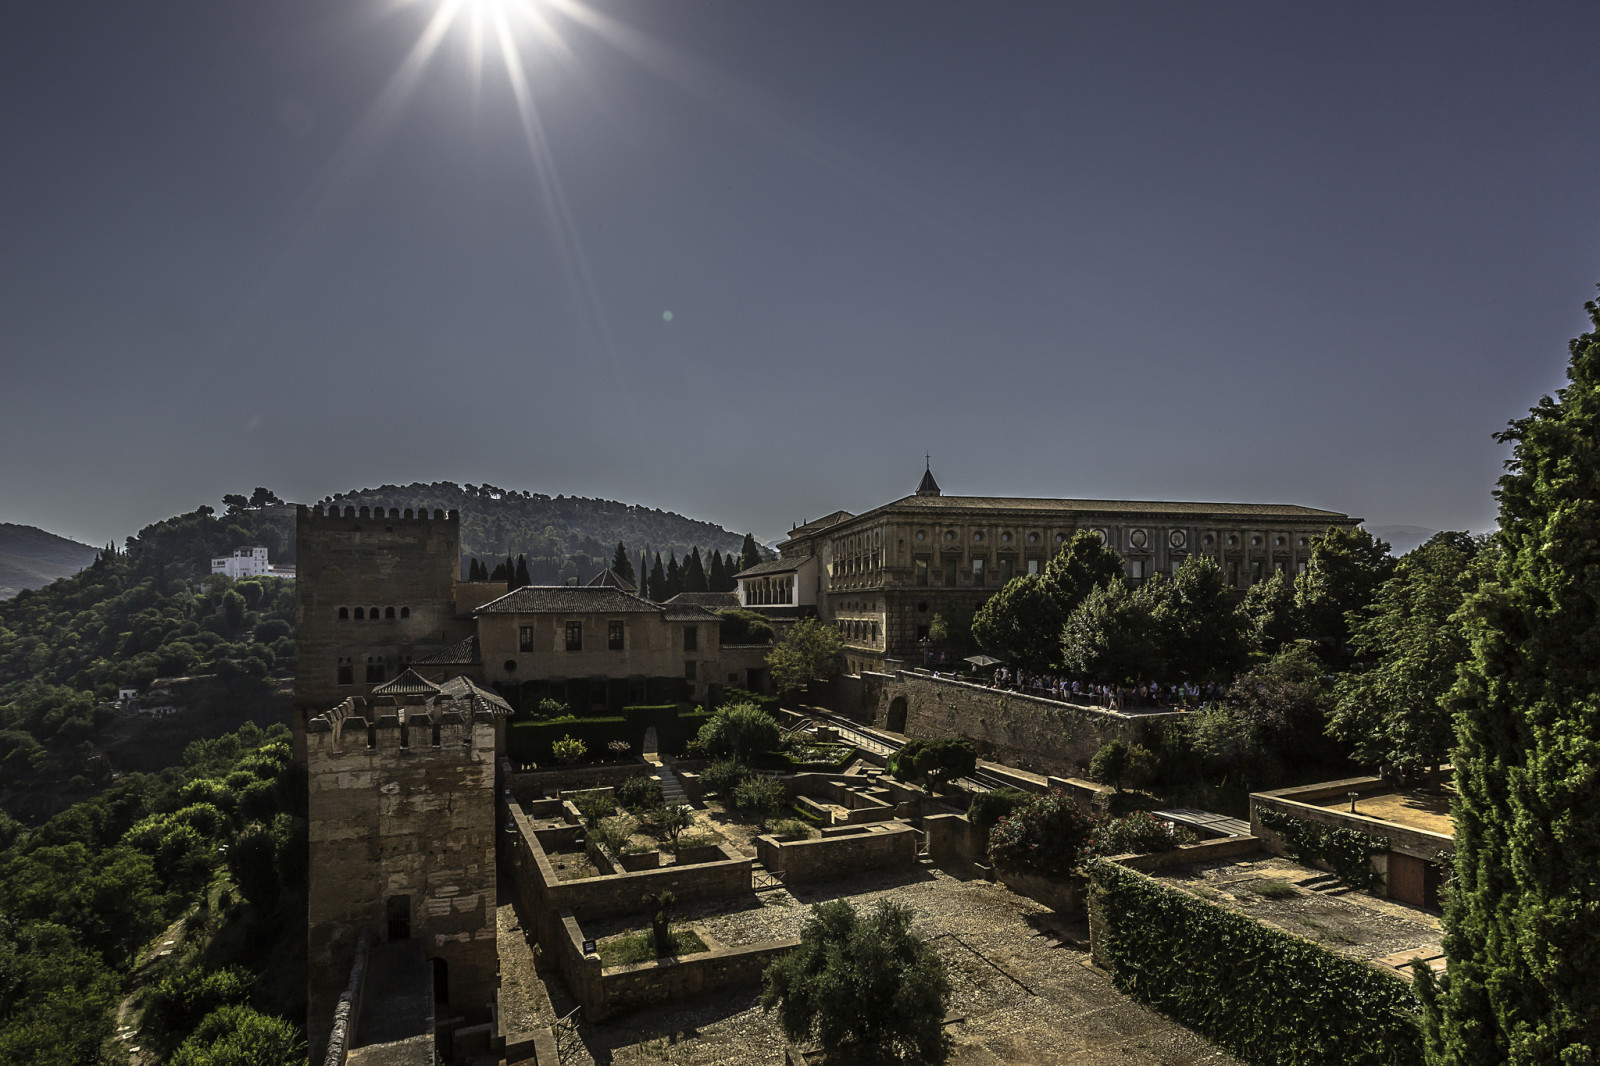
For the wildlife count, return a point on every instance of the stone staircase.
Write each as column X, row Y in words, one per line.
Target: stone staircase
column 671, row 788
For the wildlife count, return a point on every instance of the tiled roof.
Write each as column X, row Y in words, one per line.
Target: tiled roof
column 711, row 601
column 610, row 577
column 820, row 523
column 409, row 683
column 483, row 701
column 461, row 653
column 688, row 612
column 772, row 566
column 567, row 599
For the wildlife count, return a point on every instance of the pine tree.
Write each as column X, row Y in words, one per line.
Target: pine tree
column 622, row 566
column 674, row 576
column 694, row 574
column 751, row 554
column 1521, row 926
column 658, row 581
column 523, row 580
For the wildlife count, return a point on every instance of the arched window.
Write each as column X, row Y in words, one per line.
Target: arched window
column 405, row 612
column 388, row 612
column 372, row 613
column 344, row 612
column 360, row 614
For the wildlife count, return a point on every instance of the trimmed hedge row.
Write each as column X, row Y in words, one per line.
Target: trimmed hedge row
column 1268, row 997
column 676, row 724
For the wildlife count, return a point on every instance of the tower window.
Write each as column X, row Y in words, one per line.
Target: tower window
column 574, row 636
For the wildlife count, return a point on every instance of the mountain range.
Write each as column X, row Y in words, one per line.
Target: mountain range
column 30, row 558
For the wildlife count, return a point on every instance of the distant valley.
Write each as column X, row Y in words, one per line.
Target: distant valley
column 31, row 558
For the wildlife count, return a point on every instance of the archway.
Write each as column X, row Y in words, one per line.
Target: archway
column 897, row 715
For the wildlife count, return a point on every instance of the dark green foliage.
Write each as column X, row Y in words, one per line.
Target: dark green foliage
column 1113, row 636
column 177, row 1004
column 674, row 579
column 640, row 794
column 1284, row 700
column 810, row 649
column 657, row 585
column 759, row 797
column 1137, row 833
column 931, row 762
column 1521, row 927
column 675, row 724
column 240, row 1036
column 741, row 731
column 1413, row 643
column 1348, row 852
column 694, row 573
column 622, row 565
column 1203, row 633
column 1021, row 623
column 722, row 776
column 863, row 986
column 1043, row 836
column 1268, row 997
column 1117, row 761
column 1343, row 574
column 750, row 553
column 1274, row 618
column 745, row 627
column 987, row 808
column 522, row 578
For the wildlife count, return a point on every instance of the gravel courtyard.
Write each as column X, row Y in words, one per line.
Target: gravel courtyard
column 1023, row 991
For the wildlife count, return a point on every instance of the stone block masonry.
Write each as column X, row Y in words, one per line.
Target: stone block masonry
column 875, row 847
column 1039, row 735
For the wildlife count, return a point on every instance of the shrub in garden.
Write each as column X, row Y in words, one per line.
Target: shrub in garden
column 791, row 829
column 987, row 808
column 593, row 806
column 567, row 750
column 759, row 797
column 928, row 762
column 1117, row 761
column 723, row 776
column 1044, row 836
column 640, row 794
column 1138, row 833
column 739, row 730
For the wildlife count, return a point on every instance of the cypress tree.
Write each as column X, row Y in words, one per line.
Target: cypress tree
column 622, row 565
column 751, row 554
column 499, row 573
column 644, row 574
column 674, row 576
column 694, row 573
column 511, row 574
column 523, row 580
column 658, row 581
column 714, row 572
column 1522, row 923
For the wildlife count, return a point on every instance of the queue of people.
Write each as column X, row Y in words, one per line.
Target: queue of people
column 1113, row 696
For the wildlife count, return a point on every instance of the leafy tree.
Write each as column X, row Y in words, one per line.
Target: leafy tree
column 1523, row 985
column 177, row 1004
column 1022, row 622
column 1285, row 701
column 1270, row 606
column 722, row 776
column 932, row 762
column 760, row 797
column 809, row 650
column 235, row 503
column 1396, row 711
column 1113, row 636
column 622, row 565
column 1043, row 836
column 1202, row 632
column 640, row 794
column 741, row 731
column 1117, row 760
column 862, row 984
column 658, row 581
column 751, row 553
column 987, row 808
column 233, row 607
column 253, row 862
column 1343, row 574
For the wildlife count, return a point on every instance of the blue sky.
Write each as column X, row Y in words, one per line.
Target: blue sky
column 750, row 261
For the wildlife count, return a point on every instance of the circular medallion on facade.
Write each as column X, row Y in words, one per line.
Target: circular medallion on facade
column 1138, row 538
column 1233, row 541
column 1210, row 540
column 1061, row 538
column 978, row 537
column 949, row 534
column 922, row 534
column 1101, row 535
column 1176, row 539
column 1033, row 538
column 1005, row 538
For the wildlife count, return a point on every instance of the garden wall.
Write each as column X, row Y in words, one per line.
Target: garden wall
column 1039, row 735
column 1302, row 802
column 874, row 847
column 526, row 785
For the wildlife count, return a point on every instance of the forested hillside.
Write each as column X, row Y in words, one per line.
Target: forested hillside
column 562, row 536
column 152, row 611
column 30, row 557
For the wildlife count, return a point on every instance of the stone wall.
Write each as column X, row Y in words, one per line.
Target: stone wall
column 1301, row 803
column 535, row 784
column 875, row 847
column 953, row 843
column 1039, row 735
column 401, row 830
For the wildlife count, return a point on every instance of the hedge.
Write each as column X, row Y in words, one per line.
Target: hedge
column 675, row 724
column 1271, row 998
column 1348, row 852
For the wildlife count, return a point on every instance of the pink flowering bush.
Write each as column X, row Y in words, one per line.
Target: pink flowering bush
column 1044, row 836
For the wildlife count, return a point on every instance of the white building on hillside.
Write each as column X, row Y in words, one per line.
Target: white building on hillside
column 249, row 561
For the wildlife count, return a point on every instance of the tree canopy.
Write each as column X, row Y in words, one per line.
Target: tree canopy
column 809, row 650
column 1021, row 624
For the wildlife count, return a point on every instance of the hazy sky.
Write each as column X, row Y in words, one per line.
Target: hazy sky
column 750, row 260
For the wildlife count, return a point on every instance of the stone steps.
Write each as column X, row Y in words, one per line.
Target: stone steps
column 671, row 788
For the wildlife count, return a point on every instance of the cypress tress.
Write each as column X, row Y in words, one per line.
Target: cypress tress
column 1523, row 919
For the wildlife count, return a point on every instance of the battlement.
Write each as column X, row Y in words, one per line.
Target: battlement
column 378, row 725
column 393, row 514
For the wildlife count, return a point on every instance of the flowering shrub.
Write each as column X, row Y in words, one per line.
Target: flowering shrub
column 1043, row 836
column 1139, row 834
